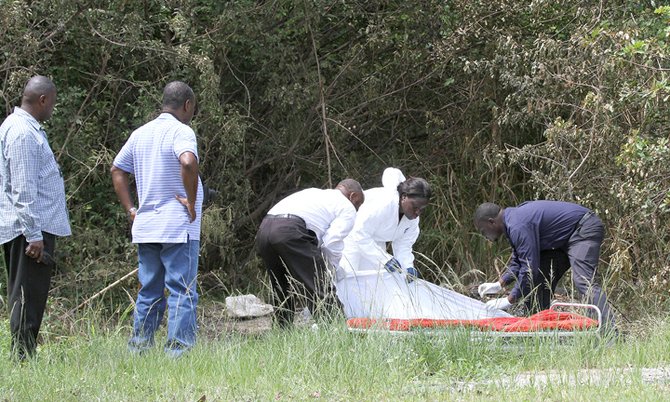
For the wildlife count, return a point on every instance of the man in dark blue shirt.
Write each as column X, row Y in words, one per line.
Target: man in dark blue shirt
column 547, row 238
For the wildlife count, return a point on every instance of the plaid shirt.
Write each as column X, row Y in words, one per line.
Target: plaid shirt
column 33, row 192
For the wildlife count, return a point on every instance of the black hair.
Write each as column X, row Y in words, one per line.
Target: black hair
column 351, row 185
column 37, row 86
column 176, row 93
column 486, row 211
column 415, row 187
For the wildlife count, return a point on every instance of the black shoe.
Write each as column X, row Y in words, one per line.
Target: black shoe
column 139, row 348
column 175, row 349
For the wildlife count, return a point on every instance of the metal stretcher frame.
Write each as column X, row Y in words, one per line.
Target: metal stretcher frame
column 482, row 334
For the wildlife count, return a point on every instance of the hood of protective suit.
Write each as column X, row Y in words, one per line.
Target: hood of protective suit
column 392, row 177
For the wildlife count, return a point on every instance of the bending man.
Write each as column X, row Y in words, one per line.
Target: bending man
column 300, row 236
column 547, row 238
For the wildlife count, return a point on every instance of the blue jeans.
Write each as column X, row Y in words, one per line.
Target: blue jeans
column 173, row 266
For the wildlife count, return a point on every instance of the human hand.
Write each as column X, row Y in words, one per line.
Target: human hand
column 189, row 206
column 47, row 259
column 501, row 303
column 132, row 213
column 412, row 274
column 489, row 288
column 392, row 265
column 35, row 249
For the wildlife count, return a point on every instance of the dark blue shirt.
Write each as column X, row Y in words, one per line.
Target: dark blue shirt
column 532, row 227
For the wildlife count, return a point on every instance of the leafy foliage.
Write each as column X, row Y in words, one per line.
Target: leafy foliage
column 501, row 101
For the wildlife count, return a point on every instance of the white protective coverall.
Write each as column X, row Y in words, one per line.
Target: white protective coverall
column 367, row 290
column 376, row 224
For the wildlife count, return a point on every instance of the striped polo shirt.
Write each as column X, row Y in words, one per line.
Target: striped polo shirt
column 33, row 192
column 152, row 154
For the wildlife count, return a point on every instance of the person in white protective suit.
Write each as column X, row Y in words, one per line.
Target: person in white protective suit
column 391, row 214
column 373, row 283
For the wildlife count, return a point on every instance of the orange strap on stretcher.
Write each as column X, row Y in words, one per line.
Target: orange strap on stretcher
column 546, row 320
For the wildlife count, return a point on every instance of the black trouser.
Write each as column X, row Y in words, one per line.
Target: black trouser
column 582, row 254
column 28, row 288
column 295, row 264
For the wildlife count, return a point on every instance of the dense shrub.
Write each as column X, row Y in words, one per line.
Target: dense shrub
column 501, row 101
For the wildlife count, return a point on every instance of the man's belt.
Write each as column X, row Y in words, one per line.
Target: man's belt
column 287, row 216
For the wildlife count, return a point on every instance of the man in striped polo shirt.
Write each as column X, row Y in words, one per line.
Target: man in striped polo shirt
column 163, row 157
column 33, row 211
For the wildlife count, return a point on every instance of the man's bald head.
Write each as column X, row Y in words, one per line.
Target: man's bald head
column 179, row 99
column 176, row 93
column 37, row 86
column 489, row 220
column 351, row 185
column 353, row 191
column 39, row 97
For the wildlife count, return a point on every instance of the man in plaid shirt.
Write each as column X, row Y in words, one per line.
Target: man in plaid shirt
column 33, row 211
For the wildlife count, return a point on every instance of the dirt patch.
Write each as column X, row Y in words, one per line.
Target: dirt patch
column 215, row 324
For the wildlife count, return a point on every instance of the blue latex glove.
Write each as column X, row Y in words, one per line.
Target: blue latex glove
column 412, row 274
column 392, row 265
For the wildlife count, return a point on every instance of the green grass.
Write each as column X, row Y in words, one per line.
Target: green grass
column 327, row 364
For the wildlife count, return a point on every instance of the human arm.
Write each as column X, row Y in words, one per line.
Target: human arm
column 525, row 241
column 121, row 182
column 186, row 150
column 122, row 168
column 402, row 244
column 333, row 238
column 189, row 176
column 512, row 272
column 22, row 153
column 371, row 216
column 509, row 276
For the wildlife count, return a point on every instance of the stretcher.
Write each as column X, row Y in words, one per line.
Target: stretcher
column 551, row 323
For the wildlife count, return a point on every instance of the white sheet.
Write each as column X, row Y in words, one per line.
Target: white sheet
column 384, row 295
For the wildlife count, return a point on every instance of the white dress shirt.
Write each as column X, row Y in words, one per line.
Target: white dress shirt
column 328, row 213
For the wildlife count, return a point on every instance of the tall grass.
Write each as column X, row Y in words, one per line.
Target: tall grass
column 329, row 364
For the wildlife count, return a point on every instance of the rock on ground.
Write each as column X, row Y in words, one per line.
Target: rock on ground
column 247, row 306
